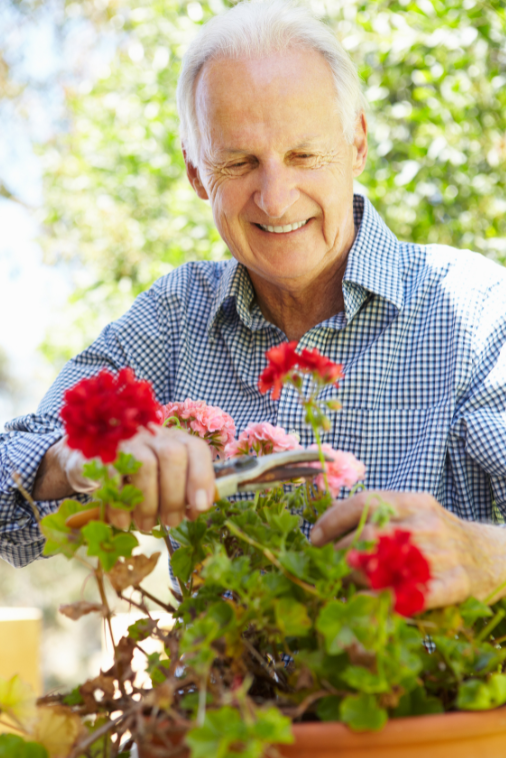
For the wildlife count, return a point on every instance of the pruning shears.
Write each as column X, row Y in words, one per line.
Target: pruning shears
column 250, row 474
column 244, row 474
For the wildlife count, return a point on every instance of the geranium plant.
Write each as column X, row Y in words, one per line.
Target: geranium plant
column 269, row 629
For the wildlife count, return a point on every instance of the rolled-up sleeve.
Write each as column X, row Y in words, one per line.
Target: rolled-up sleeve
column 136, row 340
column 480, row 422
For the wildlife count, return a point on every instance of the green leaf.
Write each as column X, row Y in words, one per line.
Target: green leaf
column 126, row 464
column 291, row 617
column 141, row 629
column 225, row 728
column 182, row 563
column 95, row 470
column 328, row 708
column 283, row 523
column 297, row 563
column 59, row 538
column 189, row 533
column 12, row 746
column 472, row 609
column 344, row 623
column 477, row 695
column 157, row 668
column 109, row 492
column 417, row 703
column 108, row 547
column 74, row 697
column 362, row 713
column 364, row 680
column 131, row 495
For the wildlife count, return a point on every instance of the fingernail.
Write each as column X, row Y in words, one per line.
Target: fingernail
column 316, row 535
column 172, row 519
column 201, row 501
column 147, row 524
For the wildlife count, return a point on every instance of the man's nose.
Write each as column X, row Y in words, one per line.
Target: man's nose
column 276, row 193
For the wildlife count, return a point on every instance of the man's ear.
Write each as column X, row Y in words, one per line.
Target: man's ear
column 193, row 175
column 360, row 144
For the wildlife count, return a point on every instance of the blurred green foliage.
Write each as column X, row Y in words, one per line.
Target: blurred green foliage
column 118, row 202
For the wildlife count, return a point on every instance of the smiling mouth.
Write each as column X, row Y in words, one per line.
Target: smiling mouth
column 283, row 229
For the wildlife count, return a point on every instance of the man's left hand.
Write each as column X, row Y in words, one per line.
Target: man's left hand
column 466, row 558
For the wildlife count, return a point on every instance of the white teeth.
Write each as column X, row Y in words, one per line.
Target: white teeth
column 283, row 229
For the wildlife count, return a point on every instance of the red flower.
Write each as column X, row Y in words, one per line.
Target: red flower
column 101, row 411
column 396, row 563
column 282, row 359
column 316, row 363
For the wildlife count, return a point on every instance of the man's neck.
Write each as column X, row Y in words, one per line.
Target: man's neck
column 296, row 310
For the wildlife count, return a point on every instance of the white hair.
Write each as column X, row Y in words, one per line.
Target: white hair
column 255, row 29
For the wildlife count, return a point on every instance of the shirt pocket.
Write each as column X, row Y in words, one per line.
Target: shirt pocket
column 402, row 448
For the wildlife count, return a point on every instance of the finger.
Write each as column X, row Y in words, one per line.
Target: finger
column 368, row 534
column 146, row 479
column 344, row 515
column 118, row 518
column 449, row 588
column 172, row 455
column 341, row 518
column 200, row 483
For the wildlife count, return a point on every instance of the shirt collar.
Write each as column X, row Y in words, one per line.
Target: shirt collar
column 235, row 295
column 373, row 261
column 372, row 267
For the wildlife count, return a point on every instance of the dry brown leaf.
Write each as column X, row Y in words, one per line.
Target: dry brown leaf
column 122, row 667
column 131, row 571
column 104, row 683
column 58, row 729
column 74, row 611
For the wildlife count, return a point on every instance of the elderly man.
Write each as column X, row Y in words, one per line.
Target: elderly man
column 274, row 133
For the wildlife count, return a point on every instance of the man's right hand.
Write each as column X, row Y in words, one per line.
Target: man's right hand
column 176, row 477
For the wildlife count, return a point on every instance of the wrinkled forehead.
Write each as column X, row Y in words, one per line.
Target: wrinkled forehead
column 234, row 96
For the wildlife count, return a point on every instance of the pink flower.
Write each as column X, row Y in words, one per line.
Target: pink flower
column 206, row 421
column 261, row 439
column 344, row 471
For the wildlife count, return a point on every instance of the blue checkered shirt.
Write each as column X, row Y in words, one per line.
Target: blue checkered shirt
column 422, row 341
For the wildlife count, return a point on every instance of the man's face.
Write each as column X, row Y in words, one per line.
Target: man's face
column 275, row 165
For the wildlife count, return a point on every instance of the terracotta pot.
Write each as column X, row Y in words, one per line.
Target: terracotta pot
column 450, row 735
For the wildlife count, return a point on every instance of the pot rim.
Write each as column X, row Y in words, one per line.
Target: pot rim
column 432, row 728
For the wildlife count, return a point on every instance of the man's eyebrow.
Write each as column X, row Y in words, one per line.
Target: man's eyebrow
column 308, row 142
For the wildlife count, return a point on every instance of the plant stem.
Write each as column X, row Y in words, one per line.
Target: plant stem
column 29, row 499
column 145, row 593
column 166, row 538
column 99, row 576
column 488, row 599
column 361, row 523
column 308, row 700
column 101, row 731
column 270, row 557
column 321, row 456
column 491, row 625
column 129, row 600
column 201, row 714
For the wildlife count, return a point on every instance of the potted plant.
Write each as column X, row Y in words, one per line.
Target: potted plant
column 275, row 649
